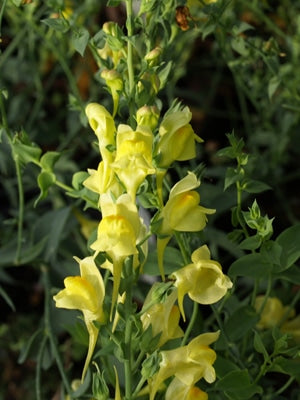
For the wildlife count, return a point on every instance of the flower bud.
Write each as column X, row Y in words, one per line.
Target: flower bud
column 115, row 84
column 110, row 28
column 153, row 56
column 147, row 116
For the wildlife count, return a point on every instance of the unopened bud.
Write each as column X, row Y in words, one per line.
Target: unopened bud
column 153, row 56
column 110, row 28
column 112, row 78
column 148, row 116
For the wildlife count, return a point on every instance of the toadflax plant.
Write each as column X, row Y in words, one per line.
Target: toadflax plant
column 156, row 315
column 150, row 353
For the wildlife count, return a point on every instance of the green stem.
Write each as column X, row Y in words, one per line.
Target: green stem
column 50, row 334
column 21, row 209
column 285, row 386
column 128, row 347
column 1, row 15
column 191, row 324
column 38, row 369
column 182, row 246
column 130, row 59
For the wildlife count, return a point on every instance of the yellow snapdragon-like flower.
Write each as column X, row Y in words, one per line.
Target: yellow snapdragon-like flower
column 85, row 293
column 133, row 160
column 177, row 138
column 274, row 312
column 189, row 363
column 103, row 180
column 178, row 390
column 203, row 280
column 117, row 234
column 163, row 317
column 103, row 125
column 182, row 212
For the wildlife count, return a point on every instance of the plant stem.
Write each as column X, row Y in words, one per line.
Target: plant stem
column 38, row 369
column 128, row 349
column 184, row 252
column 21, row 208
column 191, row 324
column 130, row 60
column 49, row 332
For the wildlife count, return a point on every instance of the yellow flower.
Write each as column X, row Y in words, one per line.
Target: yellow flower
column 85, row 293
column 114, row 82
column 203, row 280
column 182, row 212
column 178, row 390
column 189, row 363
column 117, row 234
column 163, row 317
column 293, row 328
column 272, row 312
column 133, row 160
column 177, row 138
column 103, row 125
column 103, row 180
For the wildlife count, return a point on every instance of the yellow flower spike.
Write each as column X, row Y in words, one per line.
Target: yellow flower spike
column 103, row 180
column 189, row 363
column 133, row 160
column 85, row 293
column 203, row 281
column 103, row 125
column 163, row 317
column 114, row 82
column 178, row 390
column 177, row 138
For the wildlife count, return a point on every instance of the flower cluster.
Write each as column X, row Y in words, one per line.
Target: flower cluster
column 128, row 157
column 134, row 160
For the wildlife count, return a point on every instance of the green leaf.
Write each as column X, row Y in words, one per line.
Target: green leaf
column 7, row 299
column 287, row 366
column 49, row 159
column 45, row 180
column 292, row 274
column 56, row 224
column 172, row 262
column 239, row 45
column 241, row 322
column 31, row 346
column 237, row 385
column 253, row 186
column 26, row 153
column 80, row 39
column 58, row 24
column 251, row 243
column 231, row 177
column 271, row 251
column 289, row 241
column 251, row 265
column 259, row 346
column 113, row 3
column 273, row 85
